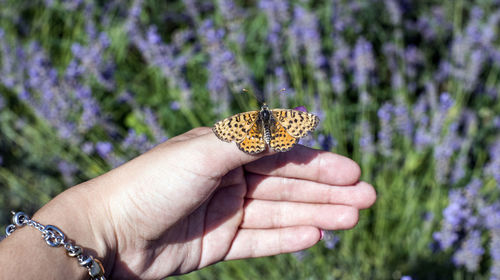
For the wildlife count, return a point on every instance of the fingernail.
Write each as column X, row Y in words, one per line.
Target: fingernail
column 322, row 234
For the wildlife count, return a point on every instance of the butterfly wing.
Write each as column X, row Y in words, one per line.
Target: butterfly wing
column 253, row 142
column 296, row 123
column 235, row 128
column 281, row 140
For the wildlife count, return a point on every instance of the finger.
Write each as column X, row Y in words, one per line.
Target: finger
column 195, row 132
column 309, row 164
column 217, row 157
column 360, row 195
column 264, row 214
column 251, row 243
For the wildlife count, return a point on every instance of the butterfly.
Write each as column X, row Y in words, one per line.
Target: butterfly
column 281, row 129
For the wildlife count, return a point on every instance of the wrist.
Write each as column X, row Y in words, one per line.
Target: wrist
column 79, row 215
column 36, row 250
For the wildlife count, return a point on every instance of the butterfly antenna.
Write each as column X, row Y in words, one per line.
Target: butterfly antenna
column 255, row 96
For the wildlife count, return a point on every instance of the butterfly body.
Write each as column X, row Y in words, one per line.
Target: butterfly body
column 267, row 121
column 280, row 129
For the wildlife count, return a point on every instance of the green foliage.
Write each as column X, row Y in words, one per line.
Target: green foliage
column 392, row 239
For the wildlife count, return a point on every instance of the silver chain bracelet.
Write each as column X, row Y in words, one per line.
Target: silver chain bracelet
column 54, row 237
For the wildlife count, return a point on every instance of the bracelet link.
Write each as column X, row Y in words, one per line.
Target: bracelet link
column 10, row 229
column 53, row 236
column 75, row 251
column 85, row 261
column 20, row 219
column 96, row 269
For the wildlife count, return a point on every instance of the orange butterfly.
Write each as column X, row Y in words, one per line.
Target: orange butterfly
column 281, row 129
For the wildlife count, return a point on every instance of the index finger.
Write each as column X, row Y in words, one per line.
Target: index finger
column 308, row 164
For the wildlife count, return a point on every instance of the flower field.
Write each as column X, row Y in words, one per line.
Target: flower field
column 408, row 89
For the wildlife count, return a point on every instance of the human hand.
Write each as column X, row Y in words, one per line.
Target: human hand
column 195, row 200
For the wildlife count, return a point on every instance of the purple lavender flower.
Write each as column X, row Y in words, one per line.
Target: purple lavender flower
column 175, row 105
column 51, row 97
column 182, row 37
column 495, row 253
column 446, row 237
column 90, row 109
column 67, row 170
column 192, row 8
column 338, row 83
column 433, row 24
column 277, row 14
column 385, row 134
column 414, row 58
column 300, row 255
column 103, row 149
column 422, row 136
column 413, row 55
column 232, row 15
column 444, row 150
column 275, row 10
column 138, row 143
column 87, row 148
column 154, row 126
column 406, row 277
column 470, row 253
column 453, row 216
column 169, row 58
column 152, row 35
column 301, row 108
column 364, row 62
column 458, row 171
column 91, row 59
column 330, row 239
column 305, row 28
column 49, row 3
column 366, row 141
column 402, row 119
column 343, row 16
column 339, row 61
column 474, row 68
column 71, row 5
column 341, row 56
column 225, row 72
column 466, row 218
column 496, row 122
column 473, row 28
column 469, row 121
column 491, row 215
column 394, row 11
column 326, row 142
column 136, row 9
column 445, row 102
column 493, row 166
column 444, row 71
column 428, row 216
column 397, row 80
column 440, row 112
column 308, row 141
column 11, row 72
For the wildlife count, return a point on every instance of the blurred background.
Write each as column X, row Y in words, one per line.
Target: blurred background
column 409, row 89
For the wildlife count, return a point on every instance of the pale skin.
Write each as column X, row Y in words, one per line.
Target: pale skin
column 191, row 202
